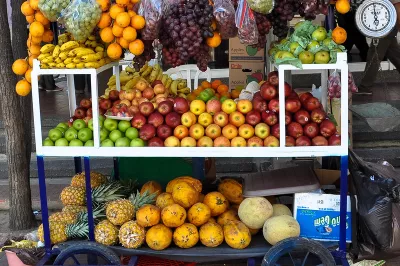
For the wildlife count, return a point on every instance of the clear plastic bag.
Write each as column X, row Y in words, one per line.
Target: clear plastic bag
column 352, row 85
column 81, row 17
column 52, row 9
column 224, row 13
column 151, row 10
column 262, row 6
column 246, row 24
column 334, row 85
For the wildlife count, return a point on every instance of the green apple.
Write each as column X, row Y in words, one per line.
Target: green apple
column 85, row 134
column 137, row 143
column 223, row 99
column 103, row 134
column 132, row 133
column 298, row 24
column 89, row 143
column 61, row 142
column 71, row 134
column 48, row 142
column 285, row 55
column 319, row 34
column 306, row 57
column 102, row 118
column 322, row 57
column 90, row 123
column 115, row 134
column 110, row 124
column 124, row 125
column 63, row 125
column 327, row 42
column 61, row 129
column 79, row 124
column 107, row 143
column 312, row 44
column 293, row 46
column 76, row 142
column 122, row 142
column 55, row 134
column 272, row 51
column 278, row 55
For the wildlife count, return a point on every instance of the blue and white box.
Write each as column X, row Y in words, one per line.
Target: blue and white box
column 319, row 216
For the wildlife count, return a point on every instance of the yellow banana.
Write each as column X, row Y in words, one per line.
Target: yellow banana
column 58, row 60
column 80, row 65
column 48, row 48
column 160, row 75
column 75, row 51
column 69, row 46
column 184, row 90
column 60, row 65
column 92, row 65
column 44, row 66
column 132, row 83
column 89, row 58
column 182, row 84
column 147, row 72
column 71, row 65
column 129, row 69
column 154, row 73
column 76, row 60
column 102, row 62
column 52, row 65
column 48, row 60
column 168, row 83
column 164, row 79
column 63, row 55
column 143, row 68
column 63, row 38
column 87, row 51
column 68, row 61
column 174, row 87
column 56, row 51
column 43, row 56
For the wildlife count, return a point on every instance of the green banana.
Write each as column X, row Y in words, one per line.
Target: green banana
column 160, row 75
column 144, row 68
column 184, row 90
column 154, row 73
column 182, row 95
column 164, row 79
column 129, row 69
column 168, row 83
column 147, row 72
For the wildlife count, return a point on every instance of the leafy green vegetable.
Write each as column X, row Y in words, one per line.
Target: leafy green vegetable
column 289, row 61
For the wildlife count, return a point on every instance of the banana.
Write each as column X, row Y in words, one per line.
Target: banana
column 160, row 75
column 63, row 38
column 184, row 90
column 56, row 51
column 129, row 69
column 102, row 62
column 92, row 65
column 43, row 56
column 112, row 80
column 76, row 60
column 44, row 66
column 69, row 46
column 99, row 49
column 71, row 65
column 48, row 60
column 123, row 73
column 60, row 65
column 90, row 58
column 132, row 83
column 48, row 48
column 164, row 79
column 182, row 95
column 68, row 61
column 80, row 65
column 63, row 55
column 143, row 68
column 174, row 87
column 52, row 64
column 182, row 84
column 154, row 73
column 147, row 72
column 87, row 51
column 124, row 79
column 74, row 52
column 58, row 60
column 168, row 83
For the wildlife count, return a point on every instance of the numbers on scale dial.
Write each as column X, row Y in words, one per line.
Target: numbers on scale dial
column 375, row 17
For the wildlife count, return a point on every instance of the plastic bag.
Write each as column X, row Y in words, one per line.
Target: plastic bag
column 262, row 6
column 151, row 10
column 352, row 85
column 246, row 24
column 52, row 9
column 224, row 13
column 81, row 17
column 334, row 86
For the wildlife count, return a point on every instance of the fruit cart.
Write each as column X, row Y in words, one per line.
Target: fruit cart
column 258, row 247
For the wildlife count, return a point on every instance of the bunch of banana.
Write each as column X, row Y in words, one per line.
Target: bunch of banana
column 179, row 88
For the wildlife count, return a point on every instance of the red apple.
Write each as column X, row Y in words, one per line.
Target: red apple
column 253, row 118
column 71, row 121
column 303, row 141
column 164, row 131
column 259, row 105
column 138, row 121
column 334, row 140
column 270, row 118
column 311, row 130
column 274, row 105
column 132, row 110
column 159, row 89
column 173, row 119
column 105, row 104
column 156, row 119
column 85, row 103
column 290, row 141
column 288, row 118
column 302, row 117
column 312, row 103
column 293, row 95
column 273, row 78
column 101, row 111
column 147, row 132
column 257, row 95
column 213, row 106
column 146, row 108
column 181, row 105
column 288, row 89
column 319, row 141
column 116, row 102
column 292, row 105
column 155, row 142
column 80, row 112
column 275, row 131
column 127, row 95
column 295, row 130
column 148, row 93
column 156, row 82
column 304, row 97
column 327, row 128
column 165, row 107
column 89, row 112
column 318, row 115
column 268, row 91
column 113, row 95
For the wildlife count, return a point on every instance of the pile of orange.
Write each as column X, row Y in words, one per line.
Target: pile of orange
column 220, row 90
column 342, row 6
column 119, row 25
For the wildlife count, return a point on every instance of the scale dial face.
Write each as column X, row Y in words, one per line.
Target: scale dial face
column 376, row 18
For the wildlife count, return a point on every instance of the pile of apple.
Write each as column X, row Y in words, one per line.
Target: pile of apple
column 306, row 122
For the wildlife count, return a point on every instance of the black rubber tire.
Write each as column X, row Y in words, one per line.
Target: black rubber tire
column 86, row 247
column 284, row 246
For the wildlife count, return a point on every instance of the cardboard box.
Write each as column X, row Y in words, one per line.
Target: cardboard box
column 337, row 114
column 327, row 177
column 319, row 216
column 241, row 52
column 242, row 73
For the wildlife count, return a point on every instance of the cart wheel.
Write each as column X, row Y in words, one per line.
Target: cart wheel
column 96, row 254
column 298, row 246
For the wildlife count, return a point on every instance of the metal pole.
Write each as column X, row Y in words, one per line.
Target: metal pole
column 343, row 202
column 43, row 203
column 89, row 198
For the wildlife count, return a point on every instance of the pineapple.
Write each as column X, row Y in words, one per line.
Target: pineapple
column 120, row 211
column 96, row 179
column 131, row 235
column 60, row 231
column 106, row 233
column 139, row 200
column 73, row 196
column 74, row 209
column 66, row 217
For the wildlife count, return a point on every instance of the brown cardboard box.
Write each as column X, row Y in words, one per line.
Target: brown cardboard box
column 336, row 113
column 327, row 177
column 242, row 73
column 241, row 52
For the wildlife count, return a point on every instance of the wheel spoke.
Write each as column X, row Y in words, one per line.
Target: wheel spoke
column 290, row 254
column 304, row 261
column 75, row 260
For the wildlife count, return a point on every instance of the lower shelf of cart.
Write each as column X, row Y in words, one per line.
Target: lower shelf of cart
column 310, row 151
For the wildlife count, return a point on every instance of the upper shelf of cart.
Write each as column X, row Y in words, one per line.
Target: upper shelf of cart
column 65, row 71
column 341, row 62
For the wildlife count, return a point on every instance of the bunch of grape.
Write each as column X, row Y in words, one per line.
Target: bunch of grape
column 309, row 9
column 283, row 12
column 263, row 26
column 147, row 55
column 203, row 57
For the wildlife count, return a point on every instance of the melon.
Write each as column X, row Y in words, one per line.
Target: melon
column 278, row 228
column 280, row 209
column 253, row 212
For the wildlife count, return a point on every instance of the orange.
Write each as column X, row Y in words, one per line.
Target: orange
column 28, row 75
column 20, row 66
column 30, row 19
column 342, row 6
column 129, row 34
column 107, row 35
column 131, row 13
column 135, row 1
column 36, row 29
column 23, row 88
column 130, row 6
column 114, row 51
column 30, row 60
column 138, row 22
column 122, row 2
column 105, row 20
column 41, row 18
column 197, row 91
column 36, row 40
column 26, row 9
column 123, row 19
column 115, row 10
column 191, row 97
column 214, row 25
column 215, row 40
column 222, row 88
column 226, row 94
column 205, row 84
column 35, row 49
column 104, row 4
column 34, row 4
column 215, row 84
column 48, row 36
column 136, row 47
column 235, row 94
column 117, row 30
column 124, row 43
column 339, row 35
